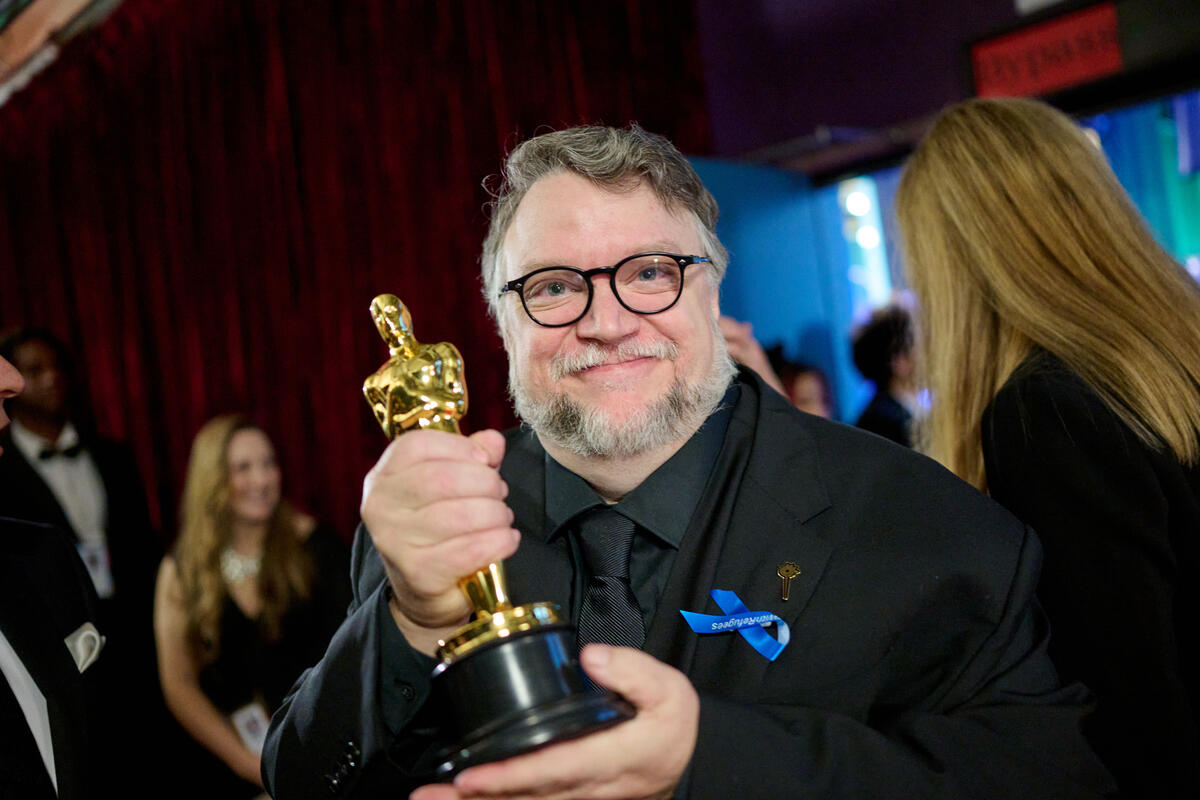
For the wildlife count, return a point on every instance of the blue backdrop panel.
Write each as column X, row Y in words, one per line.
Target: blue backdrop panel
column 787, row 266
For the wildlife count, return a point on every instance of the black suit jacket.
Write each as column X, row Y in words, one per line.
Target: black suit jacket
column 134, row 547
column 128, row 616
column 916, row 667
column 1121, row 526
column 45, row 596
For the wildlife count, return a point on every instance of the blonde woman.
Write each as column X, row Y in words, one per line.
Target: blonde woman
column 246, row 601
column 1061, row 346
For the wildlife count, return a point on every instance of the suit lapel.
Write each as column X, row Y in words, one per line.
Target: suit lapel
column 766, row 485
column 32, row 626
column 26, row 495
column 37, row 625
column 21, row 769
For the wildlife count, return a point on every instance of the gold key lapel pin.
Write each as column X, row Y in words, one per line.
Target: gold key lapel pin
column 787, row 571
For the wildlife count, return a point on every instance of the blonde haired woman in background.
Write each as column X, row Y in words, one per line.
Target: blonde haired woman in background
column 1061, row 346
column 247, row 600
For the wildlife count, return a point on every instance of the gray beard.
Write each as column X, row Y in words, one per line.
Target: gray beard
column 589, row 432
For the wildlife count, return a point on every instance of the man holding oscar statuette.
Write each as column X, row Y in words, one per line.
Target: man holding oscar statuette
column 789, row 605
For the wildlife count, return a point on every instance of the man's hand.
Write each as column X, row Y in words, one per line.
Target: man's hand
column 434, row 504
column 745, row 349
column 641, row 758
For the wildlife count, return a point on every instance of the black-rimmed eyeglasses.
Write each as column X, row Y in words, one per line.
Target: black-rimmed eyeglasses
column 646, row 283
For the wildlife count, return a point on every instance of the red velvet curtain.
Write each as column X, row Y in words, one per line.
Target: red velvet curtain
column 202, row 199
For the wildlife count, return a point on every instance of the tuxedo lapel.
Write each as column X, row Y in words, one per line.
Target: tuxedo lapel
column 31, row 625
column 25, row 495
column 21, row 768
column 36, row 621
column 21, row 772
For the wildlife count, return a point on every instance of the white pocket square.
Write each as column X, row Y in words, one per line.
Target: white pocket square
column 85, row 644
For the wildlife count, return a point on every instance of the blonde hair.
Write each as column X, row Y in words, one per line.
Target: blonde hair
column 1018, row 236
column 205, row 523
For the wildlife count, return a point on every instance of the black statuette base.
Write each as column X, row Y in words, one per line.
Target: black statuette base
column 518, row 694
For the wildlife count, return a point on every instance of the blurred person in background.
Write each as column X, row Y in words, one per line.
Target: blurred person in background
column 745, row 349
column 1061, row 345
column 247, row 599
column 54, row 727
column 55, row 469
column 807, row 385
column 883, row 354
column 804, row 384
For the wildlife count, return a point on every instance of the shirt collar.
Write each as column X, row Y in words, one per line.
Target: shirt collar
column 663, row 503
column 30, row 444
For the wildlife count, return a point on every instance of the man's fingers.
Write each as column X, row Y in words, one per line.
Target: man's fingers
column 490, row 442
column 446, row 519
column 642, row 757
column 552, row 769
column 550, row 772
column 435, row 791
column 733, row 330
column 416, row 446
column 429, row 482
column 639, row 677
column 464, row 554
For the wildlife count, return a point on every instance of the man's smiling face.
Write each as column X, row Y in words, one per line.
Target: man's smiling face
column 618, row 373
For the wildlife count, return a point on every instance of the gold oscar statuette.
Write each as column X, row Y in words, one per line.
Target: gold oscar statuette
column 510, row 676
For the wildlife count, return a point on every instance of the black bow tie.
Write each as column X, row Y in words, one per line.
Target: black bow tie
column 66, row 452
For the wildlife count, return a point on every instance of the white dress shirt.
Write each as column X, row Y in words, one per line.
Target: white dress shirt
column 77, row 486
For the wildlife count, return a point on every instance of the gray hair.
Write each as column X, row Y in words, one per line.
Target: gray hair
column 616, row 159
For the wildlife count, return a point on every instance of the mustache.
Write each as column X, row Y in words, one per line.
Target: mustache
column 594, row 355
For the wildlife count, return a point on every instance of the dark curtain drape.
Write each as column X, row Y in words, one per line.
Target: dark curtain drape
column 202, row 199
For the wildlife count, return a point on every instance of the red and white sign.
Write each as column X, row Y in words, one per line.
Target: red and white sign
column 1051, row 55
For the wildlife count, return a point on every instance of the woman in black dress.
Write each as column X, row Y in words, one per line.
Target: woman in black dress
column 1061, row 347
column 246, row 601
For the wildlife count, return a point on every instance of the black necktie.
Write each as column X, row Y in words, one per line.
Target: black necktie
column 610, row 613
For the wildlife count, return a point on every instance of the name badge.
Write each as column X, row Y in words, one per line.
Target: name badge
column 251, row 721
column 95, row 558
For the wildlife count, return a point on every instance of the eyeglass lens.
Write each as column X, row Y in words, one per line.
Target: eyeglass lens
column 647, row 284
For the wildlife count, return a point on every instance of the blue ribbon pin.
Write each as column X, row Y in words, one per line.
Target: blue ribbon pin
column 750, row 624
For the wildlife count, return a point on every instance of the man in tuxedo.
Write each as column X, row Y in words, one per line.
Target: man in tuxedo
column 893, row 646
column 55, row 470
column 53, row 740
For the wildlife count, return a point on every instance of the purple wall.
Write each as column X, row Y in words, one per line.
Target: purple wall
column 856, row 63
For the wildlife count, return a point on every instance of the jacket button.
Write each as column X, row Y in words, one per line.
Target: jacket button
column 407, row 691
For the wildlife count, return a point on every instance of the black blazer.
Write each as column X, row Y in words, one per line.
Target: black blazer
column 46, row 595
column 134, row 546
column 1121, row 586
column 128, row 616
column 916, row 667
